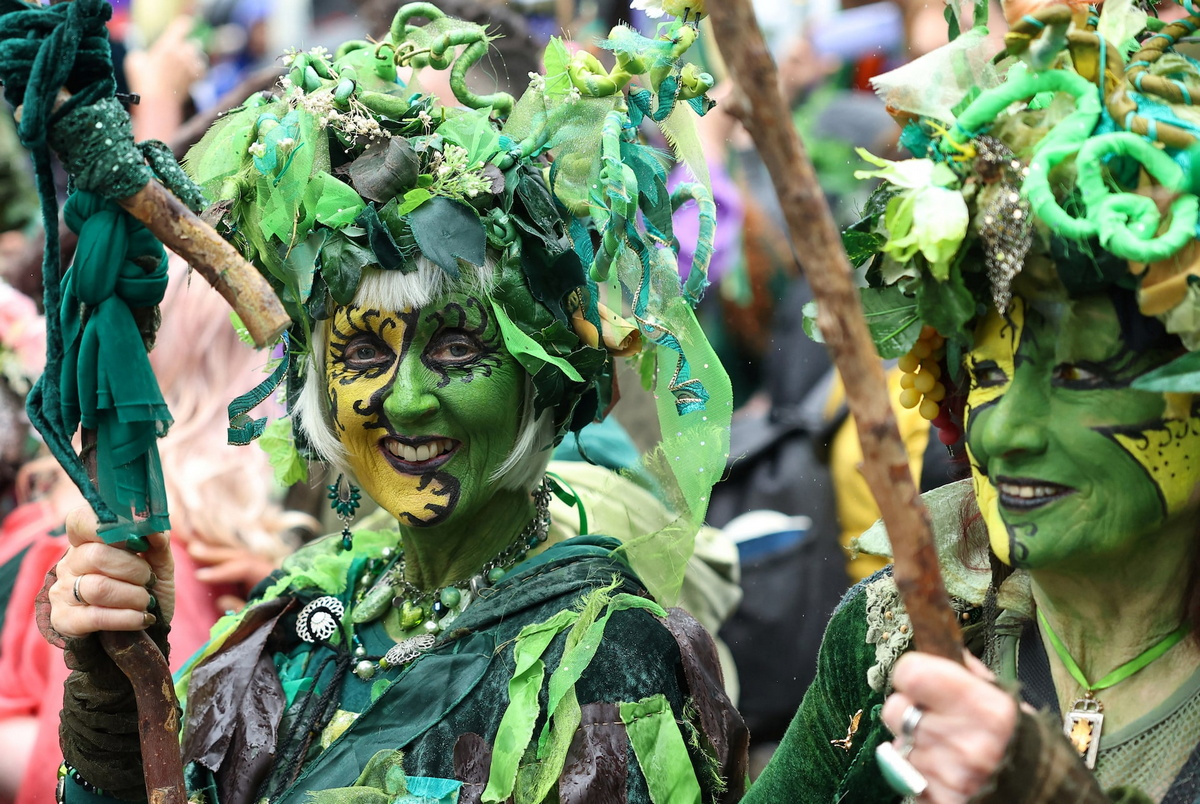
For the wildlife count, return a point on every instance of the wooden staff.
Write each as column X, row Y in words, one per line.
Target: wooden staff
column 182, row 231
column 839, row 316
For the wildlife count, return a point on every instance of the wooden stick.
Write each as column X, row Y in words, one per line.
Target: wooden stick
column 840, row 318
column 246, row 290
column 182, row 231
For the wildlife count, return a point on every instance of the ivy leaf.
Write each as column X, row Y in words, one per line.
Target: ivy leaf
column 861, row 246
column 342, row 261
column 446, row 232
column 947, row 306
column 282, row 454
column 893, row 319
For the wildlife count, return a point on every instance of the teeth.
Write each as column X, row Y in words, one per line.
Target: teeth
column 422, row 453
column 1027, row 492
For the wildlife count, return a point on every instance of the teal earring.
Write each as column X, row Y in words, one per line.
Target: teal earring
column 345, row 498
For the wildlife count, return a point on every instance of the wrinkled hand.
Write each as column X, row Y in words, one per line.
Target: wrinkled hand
column 114, row 585
column 965, row 728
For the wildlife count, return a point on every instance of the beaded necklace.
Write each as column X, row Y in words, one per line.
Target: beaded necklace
column 429, row 611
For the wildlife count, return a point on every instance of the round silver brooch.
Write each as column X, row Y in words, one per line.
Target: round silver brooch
column 319, row 619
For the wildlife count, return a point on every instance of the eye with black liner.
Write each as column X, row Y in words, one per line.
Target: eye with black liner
column 1080, row 376
column 987, row 374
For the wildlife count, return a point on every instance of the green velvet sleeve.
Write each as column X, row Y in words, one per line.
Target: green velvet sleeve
column 808, row 766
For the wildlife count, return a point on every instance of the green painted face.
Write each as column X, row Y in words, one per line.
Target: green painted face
column 1070, row 463
column 426, row 403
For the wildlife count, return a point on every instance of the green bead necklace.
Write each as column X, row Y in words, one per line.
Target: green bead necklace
column 432, row 611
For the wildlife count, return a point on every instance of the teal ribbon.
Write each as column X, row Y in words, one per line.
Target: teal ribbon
column 243, row 429
column 106, row 382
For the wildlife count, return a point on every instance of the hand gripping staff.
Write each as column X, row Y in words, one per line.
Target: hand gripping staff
column 55, row 63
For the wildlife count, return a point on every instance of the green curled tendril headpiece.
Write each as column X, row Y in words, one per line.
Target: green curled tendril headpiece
column 347, row 169
column 1071, row 163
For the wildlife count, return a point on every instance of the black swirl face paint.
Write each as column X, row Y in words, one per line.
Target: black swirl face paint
column 1070, row 462
column 425, row 402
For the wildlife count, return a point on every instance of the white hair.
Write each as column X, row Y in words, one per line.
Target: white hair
column 394, row 290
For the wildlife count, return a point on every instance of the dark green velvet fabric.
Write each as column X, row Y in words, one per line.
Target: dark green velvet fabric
column 807, row 767
column 461, row 686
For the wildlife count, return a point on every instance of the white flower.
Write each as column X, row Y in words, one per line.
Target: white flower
column 692, row 9
column 257, row 149
column 928, row 215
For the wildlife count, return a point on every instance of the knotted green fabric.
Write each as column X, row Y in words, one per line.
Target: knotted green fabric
column 106, row 382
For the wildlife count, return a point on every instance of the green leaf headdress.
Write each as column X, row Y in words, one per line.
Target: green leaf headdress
column 1068, row 163
column 347, row 169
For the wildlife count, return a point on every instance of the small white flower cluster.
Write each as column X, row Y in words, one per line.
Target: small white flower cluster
column 454, row 178
column 289, row 56
column 356, row 121
column 537, row 82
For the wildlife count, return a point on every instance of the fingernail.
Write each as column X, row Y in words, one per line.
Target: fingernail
column 148, row 619
column 152, row 604
column 153, row 580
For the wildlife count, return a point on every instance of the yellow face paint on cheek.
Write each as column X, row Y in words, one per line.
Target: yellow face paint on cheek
column 1170, row 454
column 991, row 365
column 363, row 357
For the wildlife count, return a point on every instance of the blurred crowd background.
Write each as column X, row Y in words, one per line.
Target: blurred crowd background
column 792, row 499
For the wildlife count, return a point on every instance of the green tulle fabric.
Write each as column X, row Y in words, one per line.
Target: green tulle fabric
column 350, row 170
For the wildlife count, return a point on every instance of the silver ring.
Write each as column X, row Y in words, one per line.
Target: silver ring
column 908, row 722
column 75, row 591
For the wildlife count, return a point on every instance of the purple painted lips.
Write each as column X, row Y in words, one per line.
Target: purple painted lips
column 420, row 454
column 1025, row 494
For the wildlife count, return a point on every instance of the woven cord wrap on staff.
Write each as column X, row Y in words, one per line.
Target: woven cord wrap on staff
column 119, row 265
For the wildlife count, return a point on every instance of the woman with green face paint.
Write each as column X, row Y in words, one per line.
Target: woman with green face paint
column 1042, row 304
column 453, row 297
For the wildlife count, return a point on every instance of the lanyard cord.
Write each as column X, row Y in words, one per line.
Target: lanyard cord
column 1124, row 671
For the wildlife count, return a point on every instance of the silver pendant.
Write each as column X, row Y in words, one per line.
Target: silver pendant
column 1082, row 726
column 404, row 652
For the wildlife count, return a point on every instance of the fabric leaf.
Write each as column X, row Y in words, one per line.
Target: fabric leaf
column 282, row 454
column 528, row 352
column 1181, row 375
column 661, row 751
column 447, row 231
column 342, row 261
column 413, row 199
column 333, row 203
column 516, row 726
column 383, row 172
column 473, row 132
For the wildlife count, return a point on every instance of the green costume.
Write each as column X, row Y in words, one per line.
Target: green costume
column 447, row 712
column 824, row 758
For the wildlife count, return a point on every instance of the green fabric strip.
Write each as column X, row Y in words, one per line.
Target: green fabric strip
column 516, row 727
column 661, row 751
column 562, row 703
